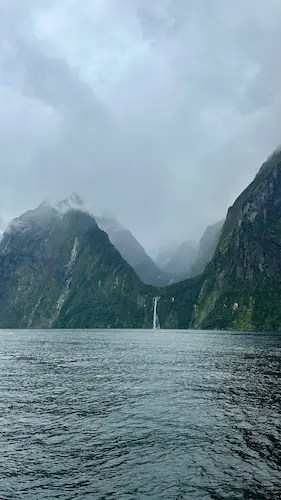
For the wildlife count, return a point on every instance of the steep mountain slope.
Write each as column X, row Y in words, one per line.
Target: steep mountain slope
column 190, row 259
column 207, row 247
column 242, row 285
column 60, row 270
column 1, row 228
column 176, row 305
column 181, row 262
column 132, row 251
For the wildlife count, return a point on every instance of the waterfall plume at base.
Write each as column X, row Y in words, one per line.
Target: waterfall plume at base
column 156, row 323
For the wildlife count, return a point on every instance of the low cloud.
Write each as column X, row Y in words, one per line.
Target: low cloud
column 160, row 112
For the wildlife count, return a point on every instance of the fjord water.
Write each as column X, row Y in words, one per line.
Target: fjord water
column 140, row 415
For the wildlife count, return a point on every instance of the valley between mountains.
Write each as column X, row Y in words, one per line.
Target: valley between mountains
column 63, row 267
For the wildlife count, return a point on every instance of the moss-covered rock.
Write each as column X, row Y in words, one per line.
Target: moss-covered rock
column 241, row 286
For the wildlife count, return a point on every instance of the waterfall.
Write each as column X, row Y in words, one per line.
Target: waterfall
column 156, row 323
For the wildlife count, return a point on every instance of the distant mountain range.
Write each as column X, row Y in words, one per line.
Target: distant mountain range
column 207, row 248
column 62, row 267
column 180, row 261
column 132, row 251
column 190, row 259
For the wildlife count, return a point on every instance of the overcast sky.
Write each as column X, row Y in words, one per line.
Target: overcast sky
column 160, row 111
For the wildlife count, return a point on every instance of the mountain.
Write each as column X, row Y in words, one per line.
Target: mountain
column 165, row 254
column 190, row 259
column 177, row 301
column 132, row 251
column 241, row 286
column 58, row 269
column 180, row 263
column 207, row 247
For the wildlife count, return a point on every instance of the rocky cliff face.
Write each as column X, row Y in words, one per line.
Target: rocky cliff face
column 176, row 304
column 242, row 286
column 60, row 270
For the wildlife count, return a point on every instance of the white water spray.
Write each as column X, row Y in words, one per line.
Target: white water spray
column 156, row 323
column 65, row 291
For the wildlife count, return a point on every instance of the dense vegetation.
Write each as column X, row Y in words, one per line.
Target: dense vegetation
column 241, row 287
column 60, row 270
column 68, row 274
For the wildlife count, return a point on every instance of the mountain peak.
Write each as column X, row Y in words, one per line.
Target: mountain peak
column 72, row 202
column 241, row 287
column 74, row 199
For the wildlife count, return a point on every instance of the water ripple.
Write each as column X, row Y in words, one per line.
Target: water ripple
column 140, row 415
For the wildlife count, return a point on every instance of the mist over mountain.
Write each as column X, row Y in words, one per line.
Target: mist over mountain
column 2, row 225
column 132, row 251
column 206, row 248
column 180, row 263
column 158, row 111
column 241, row 285
column 59, row 269
column 190, row 258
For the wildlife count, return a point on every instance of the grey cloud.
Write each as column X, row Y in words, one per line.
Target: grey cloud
column 50, row 80
column 160, row 111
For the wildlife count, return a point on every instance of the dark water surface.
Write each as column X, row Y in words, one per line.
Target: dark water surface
column 140, row 415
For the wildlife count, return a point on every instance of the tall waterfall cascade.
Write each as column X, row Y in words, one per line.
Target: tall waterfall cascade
column 156, row 323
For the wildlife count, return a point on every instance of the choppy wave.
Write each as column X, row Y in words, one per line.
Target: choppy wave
column 140, row 415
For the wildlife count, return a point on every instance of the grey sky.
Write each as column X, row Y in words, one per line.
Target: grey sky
column 160, row 111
